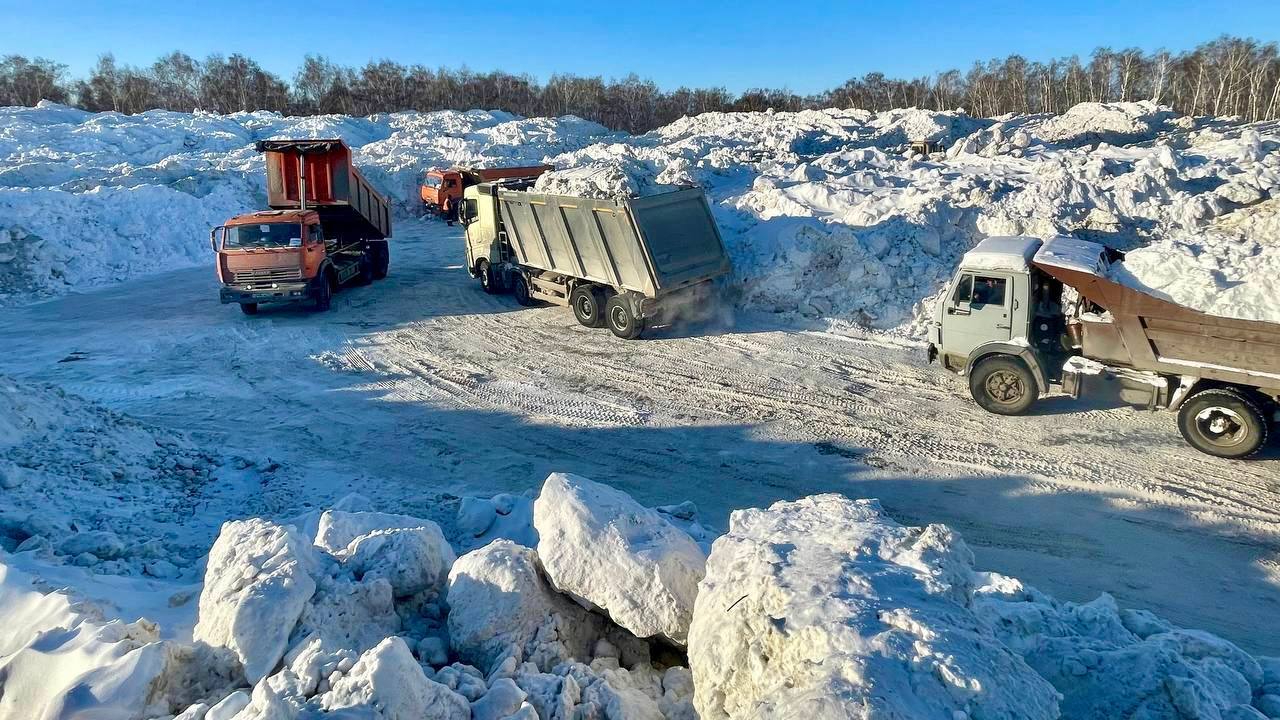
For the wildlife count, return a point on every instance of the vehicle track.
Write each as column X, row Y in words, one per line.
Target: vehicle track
column 426, row 385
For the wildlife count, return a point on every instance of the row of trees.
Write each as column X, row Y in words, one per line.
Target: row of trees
column 1228, row 76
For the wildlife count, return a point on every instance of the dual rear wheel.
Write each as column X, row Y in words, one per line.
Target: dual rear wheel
column 595, row 308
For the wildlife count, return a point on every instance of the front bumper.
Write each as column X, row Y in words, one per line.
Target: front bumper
column 265, row 294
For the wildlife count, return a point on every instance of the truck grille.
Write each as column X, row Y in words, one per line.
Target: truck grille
column 259, row 275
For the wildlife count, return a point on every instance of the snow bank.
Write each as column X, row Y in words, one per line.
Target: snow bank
column 1119, row 664
column 87, row 486
column 826, row 608
column 823, row 212
column 89, row 199
column 822, row 607
column 612, row 554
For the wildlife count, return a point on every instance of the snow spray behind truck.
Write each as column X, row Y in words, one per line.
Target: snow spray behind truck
column 620, row 263
column 1002, row 322
column 327, row 227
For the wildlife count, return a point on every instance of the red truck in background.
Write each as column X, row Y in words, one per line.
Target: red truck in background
column 441, row 190
column 327, row 227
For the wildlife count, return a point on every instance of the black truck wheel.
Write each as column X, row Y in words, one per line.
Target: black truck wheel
column 588, row 305
column 365, row 276
column 520, row 288
column 622, row 321
column 1003, row 385
column 489, row 280
column 324, row 292
column 381, row 257
column 1223, row 422
column 249, row 308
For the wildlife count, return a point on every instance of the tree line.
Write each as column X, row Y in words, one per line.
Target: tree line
column 1226, row 76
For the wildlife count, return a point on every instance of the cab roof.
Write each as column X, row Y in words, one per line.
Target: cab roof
column 275, row 216
column 1012, row 253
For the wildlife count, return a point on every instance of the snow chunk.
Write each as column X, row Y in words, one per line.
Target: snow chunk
column 256, row 584
column 611, row 553
column 827, row 608
column 388, row 679
column 338, row 528
column 501, row 607
column 412, row 559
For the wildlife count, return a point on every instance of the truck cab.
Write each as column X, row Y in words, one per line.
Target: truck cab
column 486, row 249
column 441, row 190
column 1000, row 308
column 272, row 256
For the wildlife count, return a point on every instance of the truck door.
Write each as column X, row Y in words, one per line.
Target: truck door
column 978, row 311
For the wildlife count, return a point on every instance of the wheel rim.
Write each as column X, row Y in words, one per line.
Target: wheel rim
column 1221, row 427
column 484, row 276
column 619, row 318
column 1005, row 387
column 586, row 308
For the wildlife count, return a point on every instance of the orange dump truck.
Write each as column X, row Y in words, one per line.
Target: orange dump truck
column 442, row 189
column 327, row 227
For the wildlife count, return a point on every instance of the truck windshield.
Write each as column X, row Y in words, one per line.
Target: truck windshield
column 269, row 235
column 432, row 181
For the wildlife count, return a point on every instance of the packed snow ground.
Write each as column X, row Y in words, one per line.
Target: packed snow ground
column 1075, row 501
column 823, row 212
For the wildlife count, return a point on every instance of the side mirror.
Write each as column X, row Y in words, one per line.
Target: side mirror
column 213, row 238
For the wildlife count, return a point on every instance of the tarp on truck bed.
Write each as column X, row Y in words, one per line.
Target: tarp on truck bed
column 651, row 245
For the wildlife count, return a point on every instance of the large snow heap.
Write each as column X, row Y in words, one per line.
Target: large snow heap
column 819, row 608
column 825, row 212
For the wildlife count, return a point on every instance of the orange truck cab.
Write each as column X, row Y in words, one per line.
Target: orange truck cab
column 327, row 228
column 441, row 190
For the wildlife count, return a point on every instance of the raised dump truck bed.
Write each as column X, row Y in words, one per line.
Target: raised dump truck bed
column 320, row 171
column 615, row 262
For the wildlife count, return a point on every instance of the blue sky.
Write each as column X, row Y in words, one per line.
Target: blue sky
column 805, row 46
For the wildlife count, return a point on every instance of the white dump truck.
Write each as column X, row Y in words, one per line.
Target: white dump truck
column 623, row 263
column 1006, row 323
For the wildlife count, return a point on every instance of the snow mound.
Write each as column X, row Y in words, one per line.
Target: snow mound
column 1120, row 664
column 257, row 583
column 501, row 607
column 1113, row 123
column 826, row 608
column 612, row 554
column 88, row 199
column 1231, row 280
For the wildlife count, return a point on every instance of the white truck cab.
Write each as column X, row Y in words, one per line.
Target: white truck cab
column 1000, row 322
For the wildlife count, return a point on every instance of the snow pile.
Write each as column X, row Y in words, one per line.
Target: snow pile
column 88, row 199
column 822, row 607
column 1118, row 664
column 823, row 212
column 1228, row 282
column 86, row 486
column 606, row 550
column 825, row 216
column 825, row 607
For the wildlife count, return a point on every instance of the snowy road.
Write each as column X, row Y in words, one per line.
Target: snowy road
column 423, row 385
